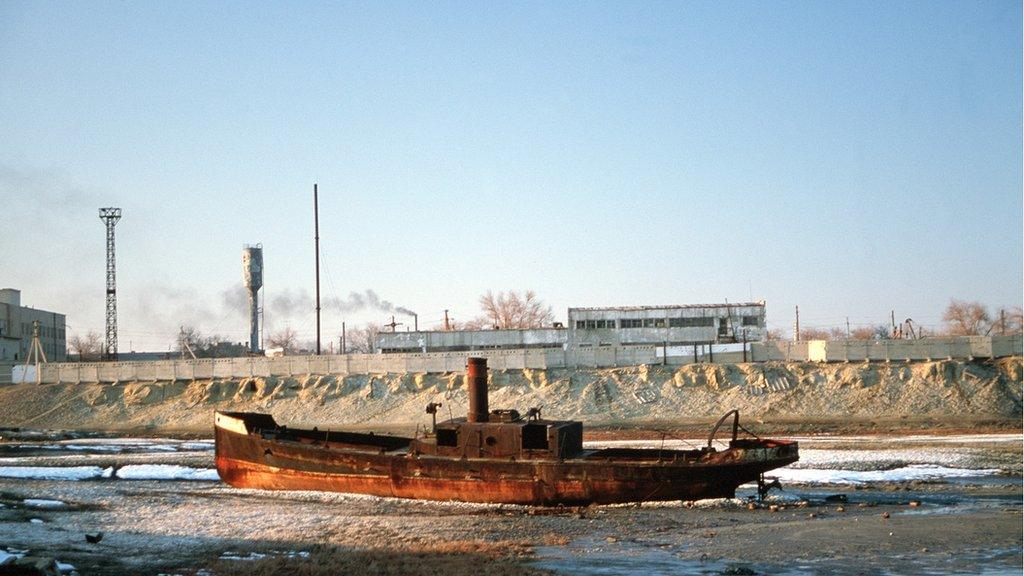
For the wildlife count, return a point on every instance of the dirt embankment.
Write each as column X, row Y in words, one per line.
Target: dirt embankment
column 950, row 392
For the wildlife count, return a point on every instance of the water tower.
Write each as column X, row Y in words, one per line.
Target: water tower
column 252, row 270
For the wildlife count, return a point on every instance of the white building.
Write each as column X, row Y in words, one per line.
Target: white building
column 686, row 325
column 16, row 323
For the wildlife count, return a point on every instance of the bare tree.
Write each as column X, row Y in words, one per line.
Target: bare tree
column 363, row 340
column 88, row 348
column 286, row 339
column 813, row 334
column 510, row 309
column 966, row 318
column 773, row 335
column 191, row 341
column 1009, row 321
column 879, row 332
column 190, row 338
column 837, row 334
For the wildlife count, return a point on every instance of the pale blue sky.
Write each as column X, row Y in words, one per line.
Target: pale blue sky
column 849, row 157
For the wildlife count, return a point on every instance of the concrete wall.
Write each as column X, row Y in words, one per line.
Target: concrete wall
column 888, row 350
column 536, row 358
column 170, row 370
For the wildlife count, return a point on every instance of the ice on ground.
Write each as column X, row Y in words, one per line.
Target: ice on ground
column 260, row 556
column 36, row 520
column 251, row 556
column 865, row 460
column 915, row 438
column 904, row 474
column 165, row 472
column 90, row 447
column 51, row 472
column 11, row 553
column 201, row 445
column 43, row 503
column 129, row 472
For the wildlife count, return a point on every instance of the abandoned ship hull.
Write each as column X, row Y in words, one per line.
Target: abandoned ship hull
column 249, row 460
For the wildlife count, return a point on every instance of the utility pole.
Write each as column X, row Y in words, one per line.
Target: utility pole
column 393, row 324
column 343, row 342
column 796, row 326
column 110, row 217
column 316, row 242
column 847, row 327
column 35, row 352
column 447, row 325
column 1002, row 322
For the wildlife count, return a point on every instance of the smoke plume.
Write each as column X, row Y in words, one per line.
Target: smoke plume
column 288, row 303
column 367, row 300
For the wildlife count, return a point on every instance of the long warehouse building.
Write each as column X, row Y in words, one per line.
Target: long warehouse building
column 684, row 325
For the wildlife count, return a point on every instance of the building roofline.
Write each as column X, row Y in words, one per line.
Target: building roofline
column 668, row 307
column 485, row 331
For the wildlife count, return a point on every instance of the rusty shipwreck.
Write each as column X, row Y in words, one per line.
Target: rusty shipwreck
column 490, row 456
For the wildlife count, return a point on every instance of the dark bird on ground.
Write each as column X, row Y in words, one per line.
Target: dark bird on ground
column 94, row 538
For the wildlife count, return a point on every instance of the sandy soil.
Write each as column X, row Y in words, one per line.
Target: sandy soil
column 793, row 396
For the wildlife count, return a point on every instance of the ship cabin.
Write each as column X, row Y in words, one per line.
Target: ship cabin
column 504, row 434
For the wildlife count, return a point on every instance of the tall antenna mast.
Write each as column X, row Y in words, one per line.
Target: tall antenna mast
column 316, row 240
column 110, row 217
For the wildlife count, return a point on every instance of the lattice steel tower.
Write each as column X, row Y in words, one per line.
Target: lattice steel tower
column 110, row 216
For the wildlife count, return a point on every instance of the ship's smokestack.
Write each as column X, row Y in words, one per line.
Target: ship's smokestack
column 476, row 382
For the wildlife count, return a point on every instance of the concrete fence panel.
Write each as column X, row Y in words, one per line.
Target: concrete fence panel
column 1007, row 345
column 537, row 358
column 981, row 347
column 145, row 371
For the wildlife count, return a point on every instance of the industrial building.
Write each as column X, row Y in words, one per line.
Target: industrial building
column 16, row 323
column 685, row 325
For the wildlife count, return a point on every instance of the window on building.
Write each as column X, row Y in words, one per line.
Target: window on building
column 751, row 321
column 580, row 324
column 691, row 322
column 654, row 322
column 631, row 323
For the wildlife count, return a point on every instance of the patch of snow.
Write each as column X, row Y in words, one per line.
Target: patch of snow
column 51, row 472
column 36, row 520
column 93, row 447
column 43, row 503
column 165, row 472
column 906, row 473
column 11, row 553
column 250, row 557
column 202, row 445
column 64, row 566
column 884, row 459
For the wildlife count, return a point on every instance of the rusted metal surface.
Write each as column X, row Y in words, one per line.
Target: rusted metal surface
column 476, row 381
column 502, row 459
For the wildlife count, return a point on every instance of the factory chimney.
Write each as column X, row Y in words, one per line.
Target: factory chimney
column 252, row 271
